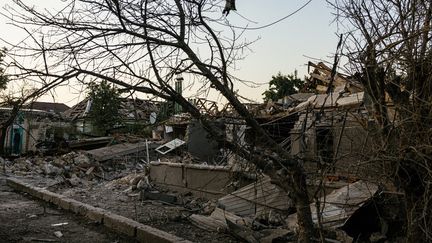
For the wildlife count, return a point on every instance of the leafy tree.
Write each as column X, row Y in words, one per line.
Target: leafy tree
column 283, row 85
column 105, row 106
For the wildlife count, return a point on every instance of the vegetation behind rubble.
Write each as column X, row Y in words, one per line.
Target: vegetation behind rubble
column 282, row 85
column 105, row 106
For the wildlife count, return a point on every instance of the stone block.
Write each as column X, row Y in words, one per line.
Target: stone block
column 47, row 196
column 25, row 188
column 64, row 203
column 37, row 192
column 120, row 224
column 77, row 207
column 95, row 214
column 145, row 233
column 57, row 199
column 14, row 184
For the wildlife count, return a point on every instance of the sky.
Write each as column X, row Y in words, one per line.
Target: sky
column 283, row 47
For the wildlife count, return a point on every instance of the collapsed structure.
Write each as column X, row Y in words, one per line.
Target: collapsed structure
column 328, row 129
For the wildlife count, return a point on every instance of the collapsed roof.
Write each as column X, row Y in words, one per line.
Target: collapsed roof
column 130, row 109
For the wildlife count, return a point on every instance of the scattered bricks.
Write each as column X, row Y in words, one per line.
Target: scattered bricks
column 148, row 234
column 120, row 224
column 95, row 214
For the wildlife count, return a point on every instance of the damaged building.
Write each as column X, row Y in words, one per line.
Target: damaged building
column 133, row 112
column 179, row 179
column 31, row 127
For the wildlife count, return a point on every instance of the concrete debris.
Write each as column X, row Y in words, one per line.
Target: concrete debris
column 59, row 224
column 258, row 198
column 106, row 153
column 90, row 143
column 51, row 170
column 243, row 233
column 256, row 236
column 241, row 211
column 90, row 170
column 217, row 220
column 58, row 234
column 338, row 206
column 68, row 168
column 82, row 160
column 74, row 180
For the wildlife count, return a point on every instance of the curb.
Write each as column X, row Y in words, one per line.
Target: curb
column 118, row 223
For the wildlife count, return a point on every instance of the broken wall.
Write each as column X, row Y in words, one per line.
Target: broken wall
column 334, row 139
column 203, row 180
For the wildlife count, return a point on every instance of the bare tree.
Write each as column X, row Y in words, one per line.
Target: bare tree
column 390, row 48
column 142, row 45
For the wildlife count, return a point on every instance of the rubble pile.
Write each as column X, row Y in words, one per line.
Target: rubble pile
column 71, row 167
column 186, row 179
column 49, row 165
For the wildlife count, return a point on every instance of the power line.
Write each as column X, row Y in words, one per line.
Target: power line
column 272, row 23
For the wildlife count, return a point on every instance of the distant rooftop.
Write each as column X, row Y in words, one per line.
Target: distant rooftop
column 48, row 106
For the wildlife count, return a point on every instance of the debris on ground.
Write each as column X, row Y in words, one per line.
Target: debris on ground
column 336, row 208
column 256, row 199
column 178, row 195
column 58, row 234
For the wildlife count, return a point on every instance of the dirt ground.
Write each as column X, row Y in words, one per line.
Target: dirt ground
column 114, row 195
column 24, row 219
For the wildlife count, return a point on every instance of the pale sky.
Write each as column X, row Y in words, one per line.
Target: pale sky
column 283, row 47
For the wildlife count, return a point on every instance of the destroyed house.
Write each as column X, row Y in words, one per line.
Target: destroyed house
column 132, row 112
column 31, row 127
column 327, row 128
column 331, row 127
column 331, row 131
